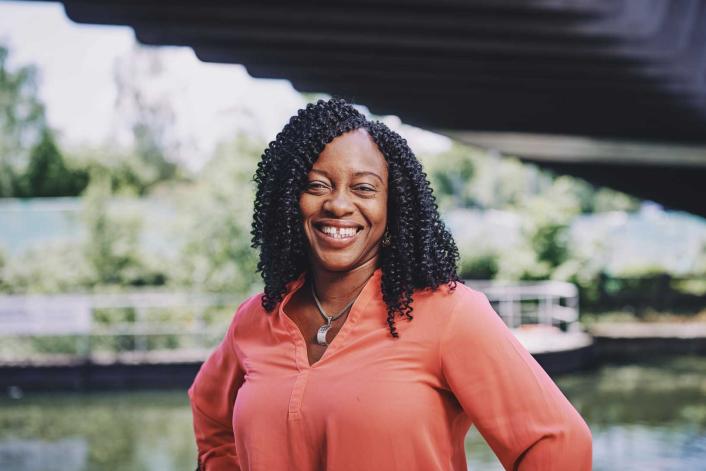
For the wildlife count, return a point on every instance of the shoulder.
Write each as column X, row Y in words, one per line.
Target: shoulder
column 438, row 311
column 472, row 317
column 250, row 304
column 451, row 297
column 470, row 312
column 247, row 312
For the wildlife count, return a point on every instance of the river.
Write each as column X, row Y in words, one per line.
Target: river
column 649, row 417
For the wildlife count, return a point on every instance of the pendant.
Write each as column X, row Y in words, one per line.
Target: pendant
column 321, row 334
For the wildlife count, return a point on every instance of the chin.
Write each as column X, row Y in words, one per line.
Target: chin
column 335, row 265
column 339, row 259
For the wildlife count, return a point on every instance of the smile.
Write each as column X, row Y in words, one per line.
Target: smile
column 337, row 237
column 339, row 232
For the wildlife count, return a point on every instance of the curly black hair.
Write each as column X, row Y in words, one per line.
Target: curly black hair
column 422, row 254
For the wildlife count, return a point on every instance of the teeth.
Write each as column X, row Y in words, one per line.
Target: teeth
column 339, row 233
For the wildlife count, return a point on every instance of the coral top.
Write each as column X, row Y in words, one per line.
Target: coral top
column 377, row 403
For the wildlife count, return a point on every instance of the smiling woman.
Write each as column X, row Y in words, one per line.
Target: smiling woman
column 315, row 373
column 344, row 206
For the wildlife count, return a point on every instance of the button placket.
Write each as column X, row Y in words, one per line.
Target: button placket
column 297, row 395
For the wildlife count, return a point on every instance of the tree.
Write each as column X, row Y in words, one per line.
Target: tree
column 147, row 113
column 449, row 175
column 22, row 121
column 47, row 173
column 216, row 218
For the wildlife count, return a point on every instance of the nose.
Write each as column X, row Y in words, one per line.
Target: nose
column 339, row 204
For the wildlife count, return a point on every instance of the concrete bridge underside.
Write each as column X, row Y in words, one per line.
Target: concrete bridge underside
column 613, row 91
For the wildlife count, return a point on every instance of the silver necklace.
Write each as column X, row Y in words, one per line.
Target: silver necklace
column 323, row 330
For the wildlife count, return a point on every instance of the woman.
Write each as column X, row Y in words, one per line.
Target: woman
column 328, row 368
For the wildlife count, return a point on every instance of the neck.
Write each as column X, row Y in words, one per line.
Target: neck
column 336, row 289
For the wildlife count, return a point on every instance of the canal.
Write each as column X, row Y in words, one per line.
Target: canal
column 647, row 416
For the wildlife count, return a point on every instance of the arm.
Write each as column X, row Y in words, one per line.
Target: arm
column 212, row 396
column 517, row 408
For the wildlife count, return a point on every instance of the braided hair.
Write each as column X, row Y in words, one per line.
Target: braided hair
column 422, row 253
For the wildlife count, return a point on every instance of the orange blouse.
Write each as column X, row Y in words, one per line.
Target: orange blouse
column 377, row 403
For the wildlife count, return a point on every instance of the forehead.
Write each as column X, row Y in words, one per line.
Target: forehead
column 351, row 152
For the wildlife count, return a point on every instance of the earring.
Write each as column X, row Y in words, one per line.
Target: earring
column 386, row 239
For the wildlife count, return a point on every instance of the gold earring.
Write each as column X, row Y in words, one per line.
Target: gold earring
column 386, row 239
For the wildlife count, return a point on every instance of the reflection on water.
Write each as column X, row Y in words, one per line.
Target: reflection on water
column 648, row 417
column 67, row 454
column 117, row 432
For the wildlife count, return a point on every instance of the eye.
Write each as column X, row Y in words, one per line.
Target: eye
column 316, row 185
column 366, row 188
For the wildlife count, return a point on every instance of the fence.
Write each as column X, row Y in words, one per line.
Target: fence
column 133, row 322
column 552, row 303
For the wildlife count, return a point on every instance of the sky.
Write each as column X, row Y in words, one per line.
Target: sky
column 210, row 101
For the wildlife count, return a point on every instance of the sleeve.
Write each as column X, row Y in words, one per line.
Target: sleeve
column 523, row 416
column 212, row 396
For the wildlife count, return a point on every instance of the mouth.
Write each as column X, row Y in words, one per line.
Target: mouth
column 337, row 235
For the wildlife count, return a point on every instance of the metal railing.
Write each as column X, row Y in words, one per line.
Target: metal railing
column 553, row 303
column 141, row 316
column 137, row 316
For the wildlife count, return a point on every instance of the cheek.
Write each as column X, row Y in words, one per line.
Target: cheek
column 305, row 206
column 378, row 216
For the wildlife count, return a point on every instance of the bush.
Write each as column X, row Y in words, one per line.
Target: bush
column 52, row 267
column 112, row 248
column 216, row 219
column 483, row 266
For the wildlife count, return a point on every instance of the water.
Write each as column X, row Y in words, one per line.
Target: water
column 33, row 222
column 30, row 222
column 647, row 417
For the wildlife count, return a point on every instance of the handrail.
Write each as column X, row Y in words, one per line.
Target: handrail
column 75, row 316
column 553, row 303
column 67, row 315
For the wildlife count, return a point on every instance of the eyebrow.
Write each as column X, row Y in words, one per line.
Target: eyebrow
column 360, row 174
column 356, row 174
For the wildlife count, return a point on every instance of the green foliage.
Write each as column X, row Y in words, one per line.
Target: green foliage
column 521, row 263
column 503, row 182
column 468, row 177
column 606, row 199
column 217, row 214
column 52, row 267
column 150, row 118
column 449, row 174
column 31, row 164
column 4, row 282
column 112, row 248
column 47, row 173
column 124, row 171
column 547, row 216
column 149, row 149
column 550, row 242
column 481, row 266
column 22, row 121
column 212, row 237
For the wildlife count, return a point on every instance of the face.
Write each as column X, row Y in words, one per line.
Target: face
column 344, row 203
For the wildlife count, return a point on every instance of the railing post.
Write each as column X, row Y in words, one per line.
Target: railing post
column 139, row 330
column 83, row 340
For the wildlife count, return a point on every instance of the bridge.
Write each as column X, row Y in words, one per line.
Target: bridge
column 612, row 91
